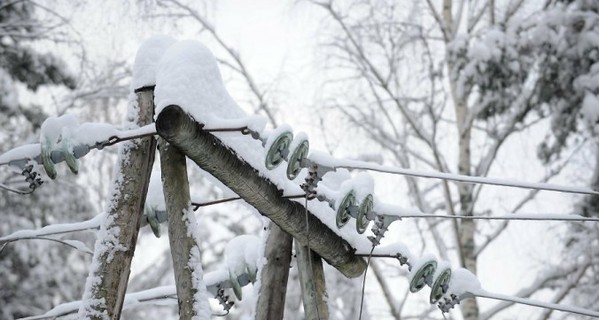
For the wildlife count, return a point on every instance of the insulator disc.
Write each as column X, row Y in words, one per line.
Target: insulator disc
column 295, row 160
column 153, row 222
column 439, row 285
column 279, row 147
column 47, row 161
column 363, row 210
column 342, row 209
column 419, row 279
column 236, row 286
column 69, row 158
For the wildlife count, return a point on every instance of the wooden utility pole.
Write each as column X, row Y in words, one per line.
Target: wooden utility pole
column 107, row 283
column 181, row 228
column 208, row 152
column 314, row 291
column 274, row 275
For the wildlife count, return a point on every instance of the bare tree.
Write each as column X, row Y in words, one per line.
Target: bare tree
column 422, row 80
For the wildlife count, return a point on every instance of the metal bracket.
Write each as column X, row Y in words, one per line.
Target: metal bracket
column 381, row 225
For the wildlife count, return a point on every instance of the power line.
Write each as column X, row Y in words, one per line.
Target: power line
column 355, row 164
column 541, row 217
column 539, row 304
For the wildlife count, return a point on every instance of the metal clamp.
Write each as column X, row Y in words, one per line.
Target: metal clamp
column 381, row 225
column 447, row 303
column 32, row 177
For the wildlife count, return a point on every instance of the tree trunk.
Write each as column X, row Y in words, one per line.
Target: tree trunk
column 274, row 275
column 467, row 228
column 314, row 291
column 182, row 234
column 107, row 281
column 179, row 129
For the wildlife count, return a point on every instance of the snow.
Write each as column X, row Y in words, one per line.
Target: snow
column 363, row 185
column 332, row 189
column 441, row 266
column 274, row 134
column 188, row 76
column 28, row 151
column 220, row 276
column 59, row 310
column 255, row 123
column 53, row 127
column 132, row 300
column 91, row 133
column 88, row 134
column 323, row 159
column 298, row 138
column 147, row 58
column 335, row 185
column 463, row 282
column 590, row 111
column 242, row 254
column 395, row 210
column 155, row 196
column 201, row 306
column 53, row 229
column 417, row 263
column 78, row 245
column 157, row 294
column 354, row 164
column 334, row 179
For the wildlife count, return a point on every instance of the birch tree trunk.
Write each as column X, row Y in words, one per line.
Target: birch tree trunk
column 107, row 281
column 467, row 228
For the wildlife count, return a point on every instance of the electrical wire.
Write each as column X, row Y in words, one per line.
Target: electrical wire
column 17, row 191
column 533, row 303
column 362, row 165
column 47, row 239
column 364, row 283
column 405, row 172
column 197, row 205
column 514, row 217
column 148, row 130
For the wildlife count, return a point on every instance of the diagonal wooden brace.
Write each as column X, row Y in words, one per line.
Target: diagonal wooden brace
column 179, row 129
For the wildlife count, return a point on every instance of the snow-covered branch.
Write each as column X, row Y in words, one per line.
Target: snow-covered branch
column 53, row 229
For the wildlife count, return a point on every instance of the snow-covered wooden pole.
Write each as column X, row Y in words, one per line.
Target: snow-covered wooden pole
column 107, row 281
column 314, row 291
column 274, row 275
column 183, row 235
column 208, row 152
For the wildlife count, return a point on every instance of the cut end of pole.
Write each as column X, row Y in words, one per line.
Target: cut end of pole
column 169, row 119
